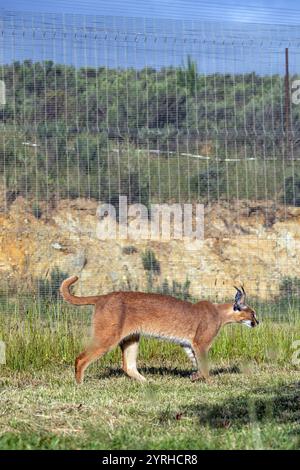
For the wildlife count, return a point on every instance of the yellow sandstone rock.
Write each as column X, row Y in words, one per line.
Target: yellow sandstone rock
column 254, row 243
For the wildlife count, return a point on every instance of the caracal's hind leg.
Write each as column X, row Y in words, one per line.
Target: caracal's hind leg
column 103, row 340
column 130, row 348
column 88, row 356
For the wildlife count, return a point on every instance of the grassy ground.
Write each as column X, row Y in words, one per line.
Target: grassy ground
column 252, row 401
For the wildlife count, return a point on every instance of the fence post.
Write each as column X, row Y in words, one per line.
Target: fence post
column 287, row 106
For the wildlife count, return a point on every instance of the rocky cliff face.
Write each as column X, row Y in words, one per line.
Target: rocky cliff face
column 253, row 243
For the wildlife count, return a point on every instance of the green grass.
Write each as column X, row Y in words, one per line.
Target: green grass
column 248, row 179
column 161, row 179
column 251, row 402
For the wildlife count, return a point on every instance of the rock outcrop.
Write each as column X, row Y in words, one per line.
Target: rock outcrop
column 255, row 243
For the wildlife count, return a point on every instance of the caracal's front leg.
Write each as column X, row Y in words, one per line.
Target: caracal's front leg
column 129, row 355
column 201, row 354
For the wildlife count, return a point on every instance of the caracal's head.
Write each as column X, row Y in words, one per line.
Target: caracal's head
column 242, row 312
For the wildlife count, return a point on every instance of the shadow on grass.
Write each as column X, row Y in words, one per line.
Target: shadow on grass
column 260, row 405
column 117, row 372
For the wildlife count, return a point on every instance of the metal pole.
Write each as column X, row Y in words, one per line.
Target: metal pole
column 287, row 105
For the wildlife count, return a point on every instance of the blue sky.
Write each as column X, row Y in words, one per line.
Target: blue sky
column 287, row 11
column 210, row 26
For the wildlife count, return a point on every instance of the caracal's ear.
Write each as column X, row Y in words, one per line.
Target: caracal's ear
column 240, row 298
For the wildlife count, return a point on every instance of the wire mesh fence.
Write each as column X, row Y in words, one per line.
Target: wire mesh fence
column 162, row 112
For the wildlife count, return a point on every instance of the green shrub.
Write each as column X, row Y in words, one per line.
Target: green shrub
column 129, row 250
column 292, row 191
column 176, row 289
column 290, row 287
column 132, row 184
column 207, row 183
column 150, row 262
column 48, row 289
column 37, row 211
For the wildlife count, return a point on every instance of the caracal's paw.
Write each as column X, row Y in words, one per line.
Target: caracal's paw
column 197, row 376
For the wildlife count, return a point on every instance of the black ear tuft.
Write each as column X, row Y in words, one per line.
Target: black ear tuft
column 239, row 299
column 238, row 296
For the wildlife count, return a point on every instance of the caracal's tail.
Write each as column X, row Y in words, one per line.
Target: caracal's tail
column 73, row 299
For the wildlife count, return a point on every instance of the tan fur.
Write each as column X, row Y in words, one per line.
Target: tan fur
column 121, row 317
